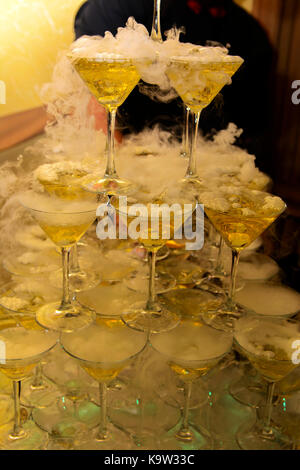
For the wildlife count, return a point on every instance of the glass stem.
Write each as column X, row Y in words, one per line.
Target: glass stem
column 18, row 431
column 156, row 31
column 102, row 433
column 268, row 410
column 75, row 268
column 151, row 293
column 110, row 171
column 184, row 432
column 234, row 266
column 220, row 265
column 185, row 135
column 38, row 377
column 66, row 270
column 192, row 168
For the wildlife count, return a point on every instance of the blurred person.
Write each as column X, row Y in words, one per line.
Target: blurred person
column 245, row 102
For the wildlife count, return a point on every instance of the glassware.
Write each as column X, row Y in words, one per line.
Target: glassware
column 185, row 150
column 155, row 231
column 240, row 216
column 198, row 81
column 103, row 352
column 64, row 223
column 63, row 180
column 268, row 344
column 156, row 31
column 21, row 298
column 23, row 350
column 192, row 350
column 110, row 78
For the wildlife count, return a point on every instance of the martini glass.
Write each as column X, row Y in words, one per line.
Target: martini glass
column 23, row 350
column 63, row 180
column 192, row 350
column 198, row 80
column 155, row 230
column 64, row 223
column 21, row 299
column 103, row 352
column 268, row 344
column 240, row 216
column 111, row 78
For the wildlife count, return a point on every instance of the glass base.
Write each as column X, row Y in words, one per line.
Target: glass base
column 139, row 281
column 113, row 186
column 189, row 439
column 73, row 318
column 252, row 438
column 66, row 420
column 39, row 262
column 38, row 397
column 187, row 273
column 225, row 316
column 32, row 437
column 152, row 321
column 190, row 303
column 115, row 439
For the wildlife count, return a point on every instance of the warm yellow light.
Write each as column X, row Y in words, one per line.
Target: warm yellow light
column 32, row 32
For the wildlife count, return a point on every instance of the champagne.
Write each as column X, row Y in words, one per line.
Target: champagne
column 245, row 215
column 110, row 80
column 197, row 82
column 65, row 236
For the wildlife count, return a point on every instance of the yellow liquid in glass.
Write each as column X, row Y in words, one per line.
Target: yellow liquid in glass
column 239, row 230
column 198, row 83
column 64, row 236
column 102, row 374
column 111, row 82
column 273, row 369
column 16, row 372
column 187, row 373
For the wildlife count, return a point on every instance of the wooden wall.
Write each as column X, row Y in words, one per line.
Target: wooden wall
column 281, row 19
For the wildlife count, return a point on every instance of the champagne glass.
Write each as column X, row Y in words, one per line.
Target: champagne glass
column 64, row 223
column 271, row 300
column 155, row 230
column 198, row 80
column 268, row 344
column 192, row 350
column 110, row 78
column 240, row 216
column 103, row 352
column 21, row 299
column 23, row 350
column 63, row 180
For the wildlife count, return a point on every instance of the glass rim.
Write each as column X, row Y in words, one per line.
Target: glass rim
column 28, row 358
column 3, row 289
column 274, row 320
column 99, row 363
column 77, row 212
column 193, row 362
